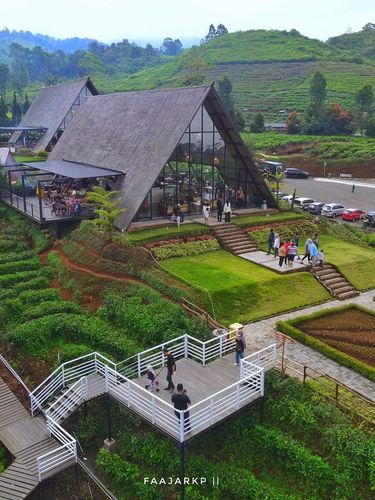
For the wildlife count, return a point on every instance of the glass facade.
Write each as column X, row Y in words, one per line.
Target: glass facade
column 203, row 168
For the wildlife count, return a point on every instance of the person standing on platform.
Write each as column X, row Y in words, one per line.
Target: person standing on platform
column 276, row 245
column 181, row 401
column 271, row 241
column 313, row 254
column 296, row 242
column 206, row 213
column 220, row 208
column 240, row 346
column 353, row 188
column 227, row 211
column 171, row 368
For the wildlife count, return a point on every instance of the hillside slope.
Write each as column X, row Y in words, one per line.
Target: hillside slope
column 361, row 43
column 270, row 71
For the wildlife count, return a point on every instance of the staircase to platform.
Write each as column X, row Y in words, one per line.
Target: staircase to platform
column 233, row 238
column 335, row 282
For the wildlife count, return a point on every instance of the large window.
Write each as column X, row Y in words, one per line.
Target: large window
column 203, row 167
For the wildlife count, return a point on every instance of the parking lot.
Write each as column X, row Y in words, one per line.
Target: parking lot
column 337, row 192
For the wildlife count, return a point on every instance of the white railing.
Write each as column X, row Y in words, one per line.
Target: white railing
column 55, row 460
column 66, row 374
column 14, row 373
column 265, row 358
column 185, row 346
column 69, row 400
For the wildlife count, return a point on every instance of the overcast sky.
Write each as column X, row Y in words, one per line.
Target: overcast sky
column 108, row 20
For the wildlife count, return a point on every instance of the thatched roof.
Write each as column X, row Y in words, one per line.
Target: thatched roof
column 136, row 133
column 50, row 107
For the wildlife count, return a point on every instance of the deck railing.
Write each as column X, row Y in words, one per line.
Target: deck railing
column 184, row 346
column 20, row 204
column 75, row 373
column 14, row 373
column 65, row 374
column 55, row 460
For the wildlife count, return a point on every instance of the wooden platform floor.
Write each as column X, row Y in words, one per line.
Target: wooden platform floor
column 26, row 438
column 200, row 383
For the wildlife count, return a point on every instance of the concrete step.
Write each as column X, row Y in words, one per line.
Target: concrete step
column 343, row 289
column 337, row 286
column 331, row 275
column 332, row 281
column 240, row 237
column 240, row 245
column 324, row 272
column 245, row 250
column 348, row 295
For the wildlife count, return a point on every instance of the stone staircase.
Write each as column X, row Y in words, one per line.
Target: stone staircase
column 335, row 282
column 233, row 238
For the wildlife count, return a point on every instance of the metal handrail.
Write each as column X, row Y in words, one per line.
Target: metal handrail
column 14, row 373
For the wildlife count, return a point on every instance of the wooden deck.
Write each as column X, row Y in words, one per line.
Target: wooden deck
column 26, row 438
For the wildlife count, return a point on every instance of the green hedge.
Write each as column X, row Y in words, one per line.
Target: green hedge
column 12, row 245
column 303, row 228
column 256, row 220
column 289, row 327
column 185, row 249
column 19, row 266
column 37, row 336
column 11, row 279
column 32, row 284
column 16, row 256
column 37, row 296
column 50, row 307
column 166, row 233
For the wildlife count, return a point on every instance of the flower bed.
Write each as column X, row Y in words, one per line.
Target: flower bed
column 162, row 252
column 286, row 230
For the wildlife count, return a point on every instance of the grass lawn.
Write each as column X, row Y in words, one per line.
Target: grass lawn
column 243, row 291
column 356, row 263
column 156, row 233
column 28, row 159
column 254, row 220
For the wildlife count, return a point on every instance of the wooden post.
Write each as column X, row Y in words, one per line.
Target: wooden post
column 10, row 187
column 182, row 470
column 23, row 193
column 337, row 394
column 40, row 202
column 304, row 373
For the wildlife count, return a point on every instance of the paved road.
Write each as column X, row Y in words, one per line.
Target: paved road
column 363, row 196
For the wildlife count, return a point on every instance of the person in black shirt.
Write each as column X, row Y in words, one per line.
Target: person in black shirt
column 171, row 368
column 181, row 401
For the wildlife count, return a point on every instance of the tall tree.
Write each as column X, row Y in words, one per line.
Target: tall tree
column 338, row 120
column 3, row 112
column 211, row 33
column 16, row 110
column 171, row 47
column 4, row 78
column 257, row 125
column 363, row 106
column 224, row 90
column 193, row 67
column 221, row 30
column 26, row 104
column 315, row 113
column 293, row 123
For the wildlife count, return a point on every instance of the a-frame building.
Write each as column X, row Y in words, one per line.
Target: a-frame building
column 176, row 147
column 50, row 113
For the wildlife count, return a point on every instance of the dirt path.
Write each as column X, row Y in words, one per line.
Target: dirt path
column 92, row 271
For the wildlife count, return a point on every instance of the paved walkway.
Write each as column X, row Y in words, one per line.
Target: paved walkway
column 263, row 333
column 270, row 262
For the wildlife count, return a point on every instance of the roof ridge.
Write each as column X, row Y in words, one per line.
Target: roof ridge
column 145, row 91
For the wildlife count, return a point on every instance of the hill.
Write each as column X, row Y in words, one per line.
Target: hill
column 28, row 39
column 361, row 43
column 270, row 71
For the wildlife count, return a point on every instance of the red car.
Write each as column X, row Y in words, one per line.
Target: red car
column 353, row 214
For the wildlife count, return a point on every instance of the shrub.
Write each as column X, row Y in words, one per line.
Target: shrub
column 72, row 351
column 50, row 307
column 286, row 230
column 14, row 257
column 22, row 265
column 13, row 246
column 186, row 249
column 31, row 284
column 37, row 296
column 7, row 280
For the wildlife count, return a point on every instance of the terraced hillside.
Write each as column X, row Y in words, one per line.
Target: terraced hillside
column 270, row 70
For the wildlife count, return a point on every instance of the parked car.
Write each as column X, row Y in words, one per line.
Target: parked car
column 353, row 214
column 287, row 198
column 303, row 202
column 295, row 173
column 315, row 208
column 332, row 210
column 369, row 219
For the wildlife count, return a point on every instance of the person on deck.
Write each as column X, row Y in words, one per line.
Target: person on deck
column 171, row 368
column 206, row 213
column 306, row 250
column 276, row 245
column 240, row 346
column 313, row 254
column 181, row 401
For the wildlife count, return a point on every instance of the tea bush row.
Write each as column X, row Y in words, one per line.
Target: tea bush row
column 7, row 280
column 185, row 249
column 19, row 266
column 16, row 256
column 37, row 283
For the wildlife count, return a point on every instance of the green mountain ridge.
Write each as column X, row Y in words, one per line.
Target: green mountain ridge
column 270, row 70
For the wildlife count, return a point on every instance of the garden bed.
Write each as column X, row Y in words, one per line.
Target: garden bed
column 345, row 334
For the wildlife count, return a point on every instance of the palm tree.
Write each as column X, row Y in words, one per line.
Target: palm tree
column 106, row 207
